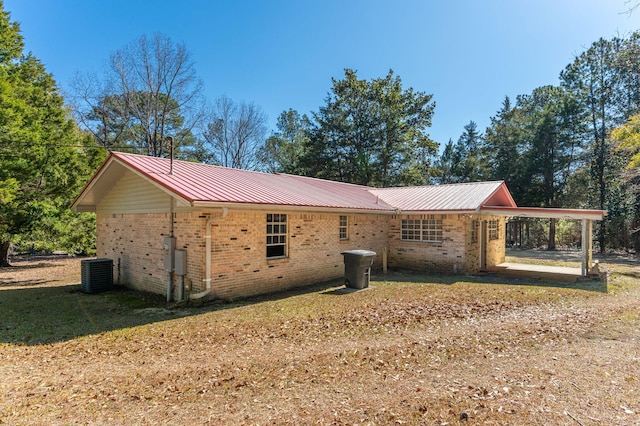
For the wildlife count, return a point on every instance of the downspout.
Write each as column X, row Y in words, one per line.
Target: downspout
column 207, row 242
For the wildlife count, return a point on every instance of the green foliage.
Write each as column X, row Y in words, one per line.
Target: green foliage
column 504, row 149
column 42, row 160
column 464, row 161
column 555, row 148
column 284, row 149
column 603, row 79
column 11, row 43
column 122, row 122
column 627, row 138
column 371, row 133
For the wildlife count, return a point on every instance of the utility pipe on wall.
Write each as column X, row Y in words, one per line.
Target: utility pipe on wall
column 170, row 272
column 207, row 254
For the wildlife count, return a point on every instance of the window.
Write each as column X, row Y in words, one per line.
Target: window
column 429, row 229
column 276, row 235
column 493, row 229
column 432, row 229
column 411, row 229
column 474, row 231
column 344, row 228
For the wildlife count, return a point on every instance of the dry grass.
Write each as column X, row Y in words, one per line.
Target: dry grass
column 411, row 350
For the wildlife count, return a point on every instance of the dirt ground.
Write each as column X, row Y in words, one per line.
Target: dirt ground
column 30, row 271
column 411, row 350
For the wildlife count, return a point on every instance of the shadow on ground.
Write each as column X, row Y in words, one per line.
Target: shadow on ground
column 32, row 314
column 43, row 315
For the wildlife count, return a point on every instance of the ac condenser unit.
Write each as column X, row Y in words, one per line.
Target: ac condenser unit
column 97, row 275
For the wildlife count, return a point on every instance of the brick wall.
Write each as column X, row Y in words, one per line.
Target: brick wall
column 458, row 252
column 135, row 239
column 495, row 249
column 447, row 255
column 240, row 266
column 239, row 263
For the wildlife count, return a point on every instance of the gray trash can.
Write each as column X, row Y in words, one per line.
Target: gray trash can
column 357, row 267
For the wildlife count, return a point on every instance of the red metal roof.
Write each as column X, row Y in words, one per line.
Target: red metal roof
column 453, row 197
column 204, row 183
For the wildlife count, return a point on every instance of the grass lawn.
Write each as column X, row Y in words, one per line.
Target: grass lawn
column 412, row 349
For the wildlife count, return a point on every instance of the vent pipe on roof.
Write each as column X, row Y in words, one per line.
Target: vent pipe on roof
column 170, row 140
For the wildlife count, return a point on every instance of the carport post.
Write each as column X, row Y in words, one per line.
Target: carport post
column 587, row 246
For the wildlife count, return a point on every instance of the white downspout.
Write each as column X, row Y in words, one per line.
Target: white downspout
column 207, row 242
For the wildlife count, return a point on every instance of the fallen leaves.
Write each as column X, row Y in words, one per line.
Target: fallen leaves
column 403, row 353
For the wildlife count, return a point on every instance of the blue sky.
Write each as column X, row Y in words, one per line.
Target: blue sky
column 282, row 54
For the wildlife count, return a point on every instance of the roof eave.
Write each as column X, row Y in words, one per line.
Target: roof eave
column 289, row 207
column 77, row 204
column 417, row 212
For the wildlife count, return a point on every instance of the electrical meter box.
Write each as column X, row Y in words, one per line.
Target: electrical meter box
column 168, row 249
column 180, row 266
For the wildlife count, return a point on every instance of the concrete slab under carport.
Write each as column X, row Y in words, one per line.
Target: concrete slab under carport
column 586, row 216
column 538, row 272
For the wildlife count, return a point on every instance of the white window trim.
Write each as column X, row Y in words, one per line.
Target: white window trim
column 280, row 235
column 492, row 229
column 343, row 230
column 425, row 229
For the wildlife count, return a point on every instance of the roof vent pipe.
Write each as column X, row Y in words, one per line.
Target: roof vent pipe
column 170, row 140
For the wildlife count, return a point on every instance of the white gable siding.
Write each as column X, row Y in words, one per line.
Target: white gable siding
column 132, row 194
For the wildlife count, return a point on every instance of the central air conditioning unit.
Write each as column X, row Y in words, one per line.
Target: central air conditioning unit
column 97, row 275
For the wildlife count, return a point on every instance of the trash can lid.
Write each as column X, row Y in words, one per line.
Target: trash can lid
column 359, row 252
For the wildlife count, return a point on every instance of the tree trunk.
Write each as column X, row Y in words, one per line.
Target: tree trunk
column 551, row 244
column 4, row 253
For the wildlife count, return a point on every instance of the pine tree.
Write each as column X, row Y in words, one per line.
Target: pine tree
column 41, row 164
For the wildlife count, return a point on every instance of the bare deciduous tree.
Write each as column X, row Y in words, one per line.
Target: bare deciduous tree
column 235, row 133
column 150, row 90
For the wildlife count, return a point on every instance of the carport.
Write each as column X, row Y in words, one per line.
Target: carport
column 586, row 216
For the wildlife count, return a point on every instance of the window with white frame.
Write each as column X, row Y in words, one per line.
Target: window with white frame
column 344, row 228
column 474, row 231
column 429, row 229
column 276, row 235
column 492, row 229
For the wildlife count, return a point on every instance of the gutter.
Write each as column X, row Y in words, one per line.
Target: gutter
column 287, row 207
column 207, row 254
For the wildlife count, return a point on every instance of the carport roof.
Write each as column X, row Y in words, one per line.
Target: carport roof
column 545, row 213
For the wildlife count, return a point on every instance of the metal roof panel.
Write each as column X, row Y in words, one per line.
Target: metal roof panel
column 205, row 182
column 450, row 197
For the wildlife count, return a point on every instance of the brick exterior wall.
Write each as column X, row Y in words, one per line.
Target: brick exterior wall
column 240, row 266
column 495, row 249
column 445, row 256
column 136, row 239
column 456, row 253
column 239, row 263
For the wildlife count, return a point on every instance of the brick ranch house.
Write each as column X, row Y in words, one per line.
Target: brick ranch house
column 245, row 233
